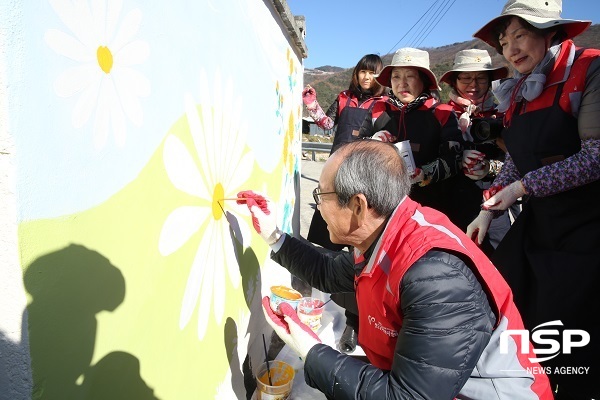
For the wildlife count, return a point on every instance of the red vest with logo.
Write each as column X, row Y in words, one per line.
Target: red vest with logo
column 576, row 71
column 410, row 233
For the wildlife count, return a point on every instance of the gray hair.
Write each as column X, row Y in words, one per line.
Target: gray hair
column 374, row 169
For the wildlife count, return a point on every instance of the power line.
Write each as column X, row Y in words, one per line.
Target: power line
column 407, row 32
column 438, row 21
column 429, row 22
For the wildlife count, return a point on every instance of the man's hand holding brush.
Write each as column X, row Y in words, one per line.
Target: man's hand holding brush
column 264, row 218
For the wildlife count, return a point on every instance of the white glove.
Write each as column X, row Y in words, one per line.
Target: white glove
column 464, row 121
column 264, row 219
column 290, row 329
column 479, row 227
column 505, row 197
column 474, row 164
column 384, row 136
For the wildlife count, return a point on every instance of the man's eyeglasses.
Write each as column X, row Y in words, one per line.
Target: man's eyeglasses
column 465, row 80
column 317, row 195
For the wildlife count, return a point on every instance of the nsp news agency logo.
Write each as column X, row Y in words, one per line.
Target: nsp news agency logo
column 548, row 338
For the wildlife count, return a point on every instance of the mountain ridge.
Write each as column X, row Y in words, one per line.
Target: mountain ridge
column 330, row 80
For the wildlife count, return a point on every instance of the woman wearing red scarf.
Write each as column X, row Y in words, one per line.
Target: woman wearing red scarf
column 470, row 80
column 414, row 113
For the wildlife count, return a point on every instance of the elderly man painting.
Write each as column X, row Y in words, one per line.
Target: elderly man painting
column 431, row 305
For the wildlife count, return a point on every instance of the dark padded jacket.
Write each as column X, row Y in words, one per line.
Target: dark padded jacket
column 448, row 279
column 430, row 330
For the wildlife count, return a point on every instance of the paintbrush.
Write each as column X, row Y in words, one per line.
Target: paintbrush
column 267, row 360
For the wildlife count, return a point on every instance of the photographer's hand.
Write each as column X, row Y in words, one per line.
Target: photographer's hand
column 475, row 166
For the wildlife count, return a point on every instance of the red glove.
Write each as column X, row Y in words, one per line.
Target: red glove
column 505, row 197
column 474, row 164
column 254, row 199
column 384, row 136
column 263, row 215
column 289, row 328
column 309, row 96
column 491, row 191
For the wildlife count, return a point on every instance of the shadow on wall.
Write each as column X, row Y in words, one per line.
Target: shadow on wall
column 243, row 381
column 68, row 288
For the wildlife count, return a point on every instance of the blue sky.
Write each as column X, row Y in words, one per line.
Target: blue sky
column 340, row 32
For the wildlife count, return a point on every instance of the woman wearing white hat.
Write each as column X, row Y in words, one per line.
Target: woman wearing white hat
column 552, row 108
column 470, row 80
column 414, row 114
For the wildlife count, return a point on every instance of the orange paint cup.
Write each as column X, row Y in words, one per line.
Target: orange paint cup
column 283, row 294
column 282, row 379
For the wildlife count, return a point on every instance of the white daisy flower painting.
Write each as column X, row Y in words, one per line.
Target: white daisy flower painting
column 103, row 46
column 216, row 168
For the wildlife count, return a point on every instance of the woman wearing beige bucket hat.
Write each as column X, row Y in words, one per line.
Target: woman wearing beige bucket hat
column 550, row 254
column 414, row 114
column 470, row 80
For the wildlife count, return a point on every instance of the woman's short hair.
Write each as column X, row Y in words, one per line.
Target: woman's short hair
column 499, row 31
column 426, row 81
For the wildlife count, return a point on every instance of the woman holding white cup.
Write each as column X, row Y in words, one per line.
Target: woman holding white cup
column 415, row 120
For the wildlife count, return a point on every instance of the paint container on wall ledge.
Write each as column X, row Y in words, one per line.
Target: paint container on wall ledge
column 282, row 378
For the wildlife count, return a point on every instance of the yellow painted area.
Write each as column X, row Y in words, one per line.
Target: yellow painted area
column 217, row 202
column 140, row 290
column 105, row 58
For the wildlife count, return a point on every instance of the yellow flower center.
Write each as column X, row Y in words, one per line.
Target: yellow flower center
column 105, row 58
column 217, row 202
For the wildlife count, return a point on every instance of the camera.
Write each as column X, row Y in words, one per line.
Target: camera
column 485, row 129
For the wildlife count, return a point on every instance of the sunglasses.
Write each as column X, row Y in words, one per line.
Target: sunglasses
column 317, row 195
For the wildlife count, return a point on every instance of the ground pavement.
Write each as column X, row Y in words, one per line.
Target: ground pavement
column 309, row 179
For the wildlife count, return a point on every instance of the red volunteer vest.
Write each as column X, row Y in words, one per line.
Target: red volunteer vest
column 574, row 84
column 411, row 232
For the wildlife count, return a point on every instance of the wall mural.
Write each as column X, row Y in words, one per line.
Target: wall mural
column 132, row 121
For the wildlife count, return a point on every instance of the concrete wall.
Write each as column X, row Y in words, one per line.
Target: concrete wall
column 122, row 126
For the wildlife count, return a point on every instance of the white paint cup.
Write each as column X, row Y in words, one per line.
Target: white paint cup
column 310, row 311
column 407, row 155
